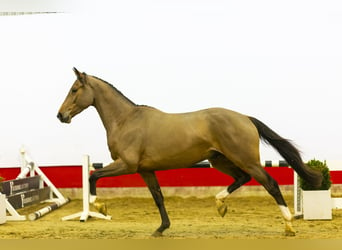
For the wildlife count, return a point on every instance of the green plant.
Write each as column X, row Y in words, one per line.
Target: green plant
column 323, row 168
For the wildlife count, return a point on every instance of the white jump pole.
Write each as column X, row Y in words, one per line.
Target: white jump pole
column 86, row 213
column 29, row 167
column 85, row 183
column 297, row 197
column 45, row 210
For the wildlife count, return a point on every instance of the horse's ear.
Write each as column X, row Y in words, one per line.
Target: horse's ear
column 80, row 76
column 77, row 73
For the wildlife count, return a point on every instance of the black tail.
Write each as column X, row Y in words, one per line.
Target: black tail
column 288, row 152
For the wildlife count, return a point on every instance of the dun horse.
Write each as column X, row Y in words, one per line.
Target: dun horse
column 143, row 139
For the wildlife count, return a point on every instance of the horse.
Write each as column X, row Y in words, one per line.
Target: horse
column 143, row 139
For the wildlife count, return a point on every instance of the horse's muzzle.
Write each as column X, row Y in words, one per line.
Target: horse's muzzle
column 63, row 118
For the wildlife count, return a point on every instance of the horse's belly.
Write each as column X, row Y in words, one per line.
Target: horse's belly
column 173, row 159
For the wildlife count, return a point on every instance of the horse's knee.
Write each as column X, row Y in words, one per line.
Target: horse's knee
column 93, row 177
column 246, row 178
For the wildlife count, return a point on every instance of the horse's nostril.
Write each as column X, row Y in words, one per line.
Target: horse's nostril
column 60, row 116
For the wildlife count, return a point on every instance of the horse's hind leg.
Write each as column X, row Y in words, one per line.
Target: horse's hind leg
column 221, row 163
column 272, row 187
column 153, row 185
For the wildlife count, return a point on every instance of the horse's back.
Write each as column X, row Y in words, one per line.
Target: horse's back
column 189, row 137
column 205, row 121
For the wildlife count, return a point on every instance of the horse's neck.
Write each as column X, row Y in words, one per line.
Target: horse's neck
column 111, row 105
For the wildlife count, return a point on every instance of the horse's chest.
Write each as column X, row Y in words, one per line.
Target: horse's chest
column 113, row 147
column 120, row 147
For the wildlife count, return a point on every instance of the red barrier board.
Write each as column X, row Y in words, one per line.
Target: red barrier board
column 71, row 177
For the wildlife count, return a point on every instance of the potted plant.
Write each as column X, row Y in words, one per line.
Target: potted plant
column 317, row 201
column 2, row 204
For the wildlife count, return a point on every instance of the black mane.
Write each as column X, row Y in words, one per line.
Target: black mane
column 118, row 91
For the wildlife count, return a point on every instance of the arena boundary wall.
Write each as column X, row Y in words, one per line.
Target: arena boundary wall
column 199, row 182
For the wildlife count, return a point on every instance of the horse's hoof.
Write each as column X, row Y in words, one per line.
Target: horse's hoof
column 221, row 207
column 157, row 234
column 101, row 207
column 289, row 231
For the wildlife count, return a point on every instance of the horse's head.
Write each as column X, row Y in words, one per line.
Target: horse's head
column 79, row 98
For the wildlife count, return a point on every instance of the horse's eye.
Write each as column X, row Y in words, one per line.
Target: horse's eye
column 73, row 90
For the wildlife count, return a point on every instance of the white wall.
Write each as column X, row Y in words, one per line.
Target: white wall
column 278, row 61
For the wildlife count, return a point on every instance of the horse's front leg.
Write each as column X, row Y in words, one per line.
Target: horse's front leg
column 153, row 185
column 114, row 169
